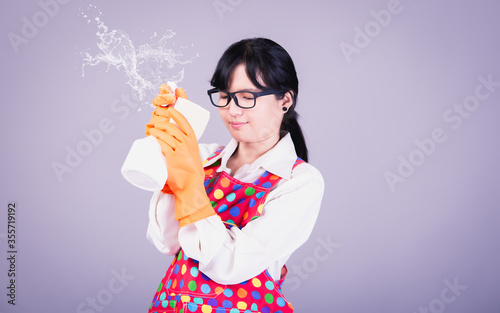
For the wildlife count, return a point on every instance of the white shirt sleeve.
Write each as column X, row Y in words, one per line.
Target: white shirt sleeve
column 230, row 256
column 163, row 229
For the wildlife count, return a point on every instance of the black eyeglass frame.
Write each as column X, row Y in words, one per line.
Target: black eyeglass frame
column 232, row 95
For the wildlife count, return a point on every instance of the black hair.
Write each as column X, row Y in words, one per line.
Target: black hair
column 267, row 61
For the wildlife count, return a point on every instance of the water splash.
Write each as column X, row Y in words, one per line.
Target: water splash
column 145, row 67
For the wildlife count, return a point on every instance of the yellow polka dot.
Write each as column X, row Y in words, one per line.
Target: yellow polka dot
column 274, row 177
column 206, row 308
column 241, row 305
column 224, row 182
column 242, row 293
column 185, row 298
column 260, row 207
column 204, row 162
column 256, row 282
column 218, row 194
column 183, row 269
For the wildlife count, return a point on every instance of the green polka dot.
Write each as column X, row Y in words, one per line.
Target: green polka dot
column 249, row 191
column 179, row 256
column 213, row 203
column 192, row 285
column 172, row 304
column 159, row 287
column 269, row 298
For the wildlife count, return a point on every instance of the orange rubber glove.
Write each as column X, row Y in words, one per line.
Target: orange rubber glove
column 166, row 97
column 185, row 170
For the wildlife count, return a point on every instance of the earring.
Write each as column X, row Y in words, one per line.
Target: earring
column 285, row 109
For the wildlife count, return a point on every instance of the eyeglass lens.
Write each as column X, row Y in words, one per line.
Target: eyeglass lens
column 243, row 99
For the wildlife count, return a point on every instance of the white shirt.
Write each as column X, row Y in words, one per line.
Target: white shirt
column 231, row 256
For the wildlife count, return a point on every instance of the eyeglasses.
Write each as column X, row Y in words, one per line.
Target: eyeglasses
column 243, row 99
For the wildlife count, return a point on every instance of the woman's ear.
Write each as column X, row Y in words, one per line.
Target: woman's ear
column 287, row 100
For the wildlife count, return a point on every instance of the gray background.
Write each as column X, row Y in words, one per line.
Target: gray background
column 374, row 249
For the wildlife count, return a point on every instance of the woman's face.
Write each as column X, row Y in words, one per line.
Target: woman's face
column 259, row 124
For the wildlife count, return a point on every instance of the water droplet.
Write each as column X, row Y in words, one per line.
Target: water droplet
column 146, row 67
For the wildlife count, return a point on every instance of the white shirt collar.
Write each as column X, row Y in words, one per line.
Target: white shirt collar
column 279, row 160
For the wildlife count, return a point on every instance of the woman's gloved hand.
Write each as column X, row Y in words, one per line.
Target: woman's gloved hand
column 166, row 97
column 185, row 170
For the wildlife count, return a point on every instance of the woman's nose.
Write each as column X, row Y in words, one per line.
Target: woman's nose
column 233, row 108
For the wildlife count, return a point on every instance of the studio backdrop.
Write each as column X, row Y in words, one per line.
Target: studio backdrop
column 399, row 101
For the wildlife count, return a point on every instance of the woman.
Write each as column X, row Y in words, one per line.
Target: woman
column 234, row 221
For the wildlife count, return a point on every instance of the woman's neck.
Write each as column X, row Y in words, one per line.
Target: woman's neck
column 248, row 152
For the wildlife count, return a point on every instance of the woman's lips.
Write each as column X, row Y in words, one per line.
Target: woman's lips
column 237, row 124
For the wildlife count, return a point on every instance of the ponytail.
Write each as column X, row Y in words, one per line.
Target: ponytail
column 291, row 125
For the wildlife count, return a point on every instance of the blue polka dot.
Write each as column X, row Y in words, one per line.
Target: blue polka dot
column 280, row 302
column 195, row 261
column 185, row 257
column 269, row 285
column 205, row 183
column 192, row 307
column 194, row 271
column 246, row 281
column 181, row 283
column 251, row 203
column 256, row 295
column 254, row 307
column 169, row 284
column 212, row 302
column 227, row 304
column 198, row 300
column 265, row 174
column 230, row 197
column 220, row 310
column 267, row 184
column 205, row 277
column 235, row 211
column 265, row 310
column 209, row 189
column 176, row 269
column 228, row 293
column 242, row 200
column 235, row 311
column 260, row 194
column 257, row 182
column 205, row 288
column 230, row 223
column 237, row 187
column 222, row 208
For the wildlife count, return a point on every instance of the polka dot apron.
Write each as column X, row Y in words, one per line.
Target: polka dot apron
column 186, row 289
